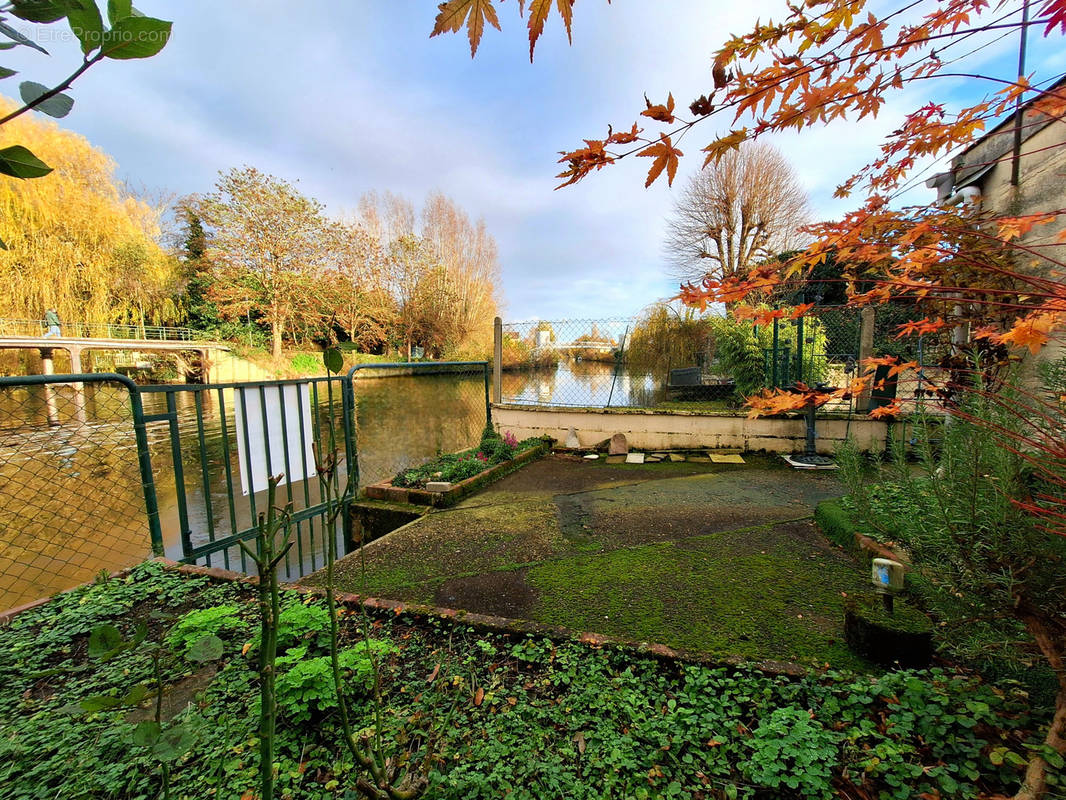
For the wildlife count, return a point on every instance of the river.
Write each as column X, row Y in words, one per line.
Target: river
column 71, row 500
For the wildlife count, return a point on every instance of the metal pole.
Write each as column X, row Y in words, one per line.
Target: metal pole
column 773, row 368
column 799, row 348
column 1015, row 166
column 488, row 402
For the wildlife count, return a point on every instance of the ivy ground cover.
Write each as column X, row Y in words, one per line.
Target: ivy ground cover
column 482, row 714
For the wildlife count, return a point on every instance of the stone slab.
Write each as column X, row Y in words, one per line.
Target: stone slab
column 438, row 486
column 726, row 458
column 676, row 457
column 616, row 459
column 618, row 445
column 635, row 458
column 591, row 457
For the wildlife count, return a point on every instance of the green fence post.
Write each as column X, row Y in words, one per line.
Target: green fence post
column 799, row 347
column 774, row 366
column 488, row 401
column 144, row 460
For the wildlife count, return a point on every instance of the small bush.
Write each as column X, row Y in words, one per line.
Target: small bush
column 195, row 625
column 301, row 624
column 306, row 687
column 835, row 523
column 791, row 749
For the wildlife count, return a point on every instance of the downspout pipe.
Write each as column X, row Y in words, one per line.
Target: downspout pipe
column 971, row 196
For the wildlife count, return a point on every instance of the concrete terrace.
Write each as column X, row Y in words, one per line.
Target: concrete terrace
column 716, row 559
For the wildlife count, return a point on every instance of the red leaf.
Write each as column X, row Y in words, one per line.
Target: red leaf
column 1055, row 11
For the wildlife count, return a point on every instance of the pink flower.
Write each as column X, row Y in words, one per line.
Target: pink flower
column 482, row 457
column 510, row 439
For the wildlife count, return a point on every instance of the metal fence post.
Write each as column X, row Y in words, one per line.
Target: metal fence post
column 488, row 402
column 799, row 348
column 866, row 350
column 497, row 360
column 144, row 461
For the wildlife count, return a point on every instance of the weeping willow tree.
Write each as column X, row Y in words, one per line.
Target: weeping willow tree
column 76, row 243
column 666, row 338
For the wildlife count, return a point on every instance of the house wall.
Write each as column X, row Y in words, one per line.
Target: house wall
column 650, row 430
column 1041, row 189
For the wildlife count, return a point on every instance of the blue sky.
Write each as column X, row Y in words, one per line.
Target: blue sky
column 346, row 97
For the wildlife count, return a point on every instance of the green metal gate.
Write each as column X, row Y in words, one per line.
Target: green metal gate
column 216, row 445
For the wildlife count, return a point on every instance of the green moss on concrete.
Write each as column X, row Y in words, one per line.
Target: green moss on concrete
column 836, row 524
column 904, row 617
column 753, row 592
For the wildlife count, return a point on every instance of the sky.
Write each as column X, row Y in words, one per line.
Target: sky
column 348, row 97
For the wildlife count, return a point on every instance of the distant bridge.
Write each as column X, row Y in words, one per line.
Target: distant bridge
column 601, row 346
column 77, row 338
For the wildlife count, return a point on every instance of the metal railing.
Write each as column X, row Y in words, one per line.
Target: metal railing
column 99, row 473
column 37, row 328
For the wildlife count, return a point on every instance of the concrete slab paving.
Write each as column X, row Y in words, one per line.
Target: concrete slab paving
column 703, row 556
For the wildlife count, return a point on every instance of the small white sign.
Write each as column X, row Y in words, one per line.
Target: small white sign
column 283, row 409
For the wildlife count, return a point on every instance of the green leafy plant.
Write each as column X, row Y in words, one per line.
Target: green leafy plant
column 792, row 750
column 130, row 35
column 305, row 685
column 214, row 621
column 166, row 742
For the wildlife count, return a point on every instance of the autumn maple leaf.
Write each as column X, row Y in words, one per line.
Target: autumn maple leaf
column 660, row 112
column 453, row 14
column 666, row 157
column 890, row 410
column 1016, row 227
column 1032, row 332
column 1055, row 11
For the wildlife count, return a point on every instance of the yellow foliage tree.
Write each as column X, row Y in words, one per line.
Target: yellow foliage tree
column 76, row 242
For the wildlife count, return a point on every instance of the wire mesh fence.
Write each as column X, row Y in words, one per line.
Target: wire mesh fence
column 669, row 358
column 71, row 489
column 94, row 469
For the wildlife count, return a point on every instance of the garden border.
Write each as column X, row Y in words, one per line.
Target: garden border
column 421, row 497
column 451, row 616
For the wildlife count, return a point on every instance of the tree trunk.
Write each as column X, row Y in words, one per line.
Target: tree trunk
column 1035, row 784
column 1051, row 643
column 275, row 331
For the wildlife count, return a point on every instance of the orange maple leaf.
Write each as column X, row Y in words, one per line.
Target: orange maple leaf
column 1032, row 332
column 453, row 14
column 719, row 147
column 659, row 112
column 1015, row 227
column 800, row 310
column 891, row 410
column 666, row 156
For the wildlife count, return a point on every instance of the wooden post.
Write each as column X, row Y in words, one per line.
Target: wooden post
column 497, row 360
column 866, row 350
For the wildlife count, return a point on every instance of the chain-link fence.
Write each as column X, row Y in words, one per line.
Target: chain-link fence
column 72, row 499
column 96, row 472
column 679, row 359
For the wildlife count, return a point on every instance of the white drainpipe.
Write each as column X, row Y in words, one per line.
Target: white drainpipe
column 970, row 195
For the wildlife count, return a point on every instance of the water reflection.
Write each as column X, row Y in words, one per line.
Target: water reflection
column 584, row 383
column 71, row 500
